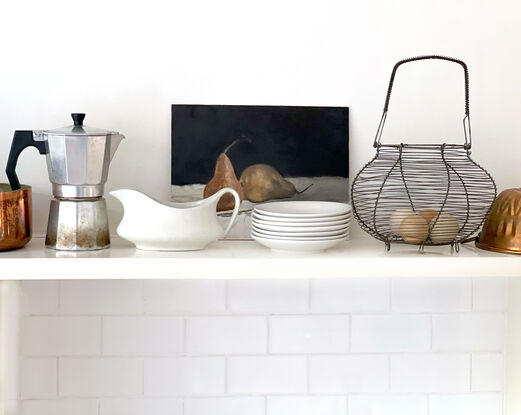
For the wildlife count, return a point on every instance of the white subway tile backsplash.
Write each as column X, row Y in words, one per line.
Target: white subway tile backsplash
column 184, row 376
column 141, row 406
column 61, row 336
column 350, row 295
column 268, row 296
column 306, row 405
column 309, row 334
column 267, row 375
column 101, row 297
column 431, row 294
column 488, row 372
column 388, row 405
column 39, row 297
column 351, row 373
column 143, row 335
column 225, row 406
column 471, row 404
column 426, row 372
column 38, row 378
column 489, row 294
column 469, row 332
column 60, row 407
column 226, row 335
column 93, row 377
column 390, row 333
column 185, row 296
column 356, row 346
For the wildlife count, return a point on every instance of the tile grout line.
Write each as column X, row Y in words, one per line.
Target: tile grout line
column 226, row 375
column 143, row 376
column 350, row 334
column 431, row 322
column 185, row 336
column 57, row 377
column 259, row 395
column 275, row 313
column 391, row 296
column 471, row 358
column 143, row 298
column 268, row 335
column 102, row 319
column 472, row 295
column 308, row 375
column 389, row 375
column 59, row 297
column 310, row 291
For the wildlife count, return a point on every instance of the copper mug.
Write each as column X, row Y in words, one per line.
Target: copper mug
column 15, row 216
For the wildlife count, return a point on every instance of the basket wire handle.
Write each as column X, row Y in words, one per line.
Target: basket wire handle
column 466, row 119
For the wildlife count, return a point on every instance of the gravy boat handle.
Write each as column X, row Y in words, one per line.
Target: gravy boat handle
column 236, row 207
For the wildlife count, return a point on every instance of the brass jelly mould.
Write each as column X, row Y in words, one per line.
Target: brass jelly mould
column 502, row 229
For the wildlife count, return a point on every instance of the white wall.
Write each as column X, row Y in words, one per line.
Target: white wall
column 273, row 347
column 124, row 62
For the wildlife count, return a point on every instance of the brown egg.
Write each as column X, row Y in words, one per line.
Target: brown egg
column 428, row 214
column 414, row 229
column 397, row 217
column 445, row 229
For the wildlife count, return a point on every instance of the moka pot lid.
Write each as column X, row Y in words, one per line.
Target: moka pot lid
column 79, row 129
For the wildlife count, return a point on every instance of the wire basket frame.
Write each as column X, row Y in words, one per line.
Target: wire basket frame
column 425, row 194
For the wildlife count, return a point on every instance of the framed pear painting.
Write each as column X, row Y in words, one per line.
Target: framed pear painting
column 266, row 153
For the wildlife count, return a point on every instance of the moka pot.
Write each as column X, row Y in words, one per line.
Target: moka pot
column 78, row 159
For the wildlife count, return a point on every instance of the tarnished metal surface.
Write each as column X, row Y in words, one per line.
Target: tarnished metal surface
column 78, row 225
column 502, row 229
column 15, row 217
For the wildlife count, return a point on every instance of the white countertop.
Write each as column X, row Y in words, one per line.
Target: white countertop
column 362, row 256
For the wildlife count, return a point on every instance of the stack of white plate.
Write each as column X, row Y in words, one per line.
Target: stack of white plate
column 307, row 226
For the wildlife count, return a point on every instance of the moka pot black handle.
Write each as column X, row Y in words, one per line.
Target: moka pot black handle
column 21, row 140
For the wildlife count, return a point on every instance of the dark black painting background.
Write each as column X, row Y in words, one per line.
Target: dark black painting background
column 297, row 141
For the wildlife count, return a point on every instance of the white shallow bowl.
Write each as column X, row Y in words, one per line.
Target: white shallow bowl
column 300, row 221
column 301, row 238
column 303, row 209
column 297, row 246
column 298, row 234
column 282, row 228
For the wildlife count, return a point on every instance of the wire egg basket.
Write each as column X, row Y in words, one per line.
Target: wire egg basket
column 423, row 194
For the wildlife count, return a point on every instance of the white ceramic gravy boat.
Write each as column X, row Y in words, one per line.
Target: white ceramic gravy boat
column 154, row 226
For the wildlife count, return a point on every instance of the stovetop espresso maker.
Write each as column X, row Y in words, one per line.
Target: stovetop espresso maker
column 78, row 159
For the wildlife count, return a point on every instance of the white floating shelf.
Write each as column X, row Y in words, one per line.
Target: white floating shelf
column 361, row 257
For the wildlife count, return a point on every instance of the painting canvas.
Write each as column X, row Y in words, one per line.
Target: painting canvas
column 276, row 153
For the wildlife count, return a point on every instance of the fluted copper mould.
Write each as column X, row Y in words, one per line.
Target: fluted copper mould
column 15, row 216
column 502, row 229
